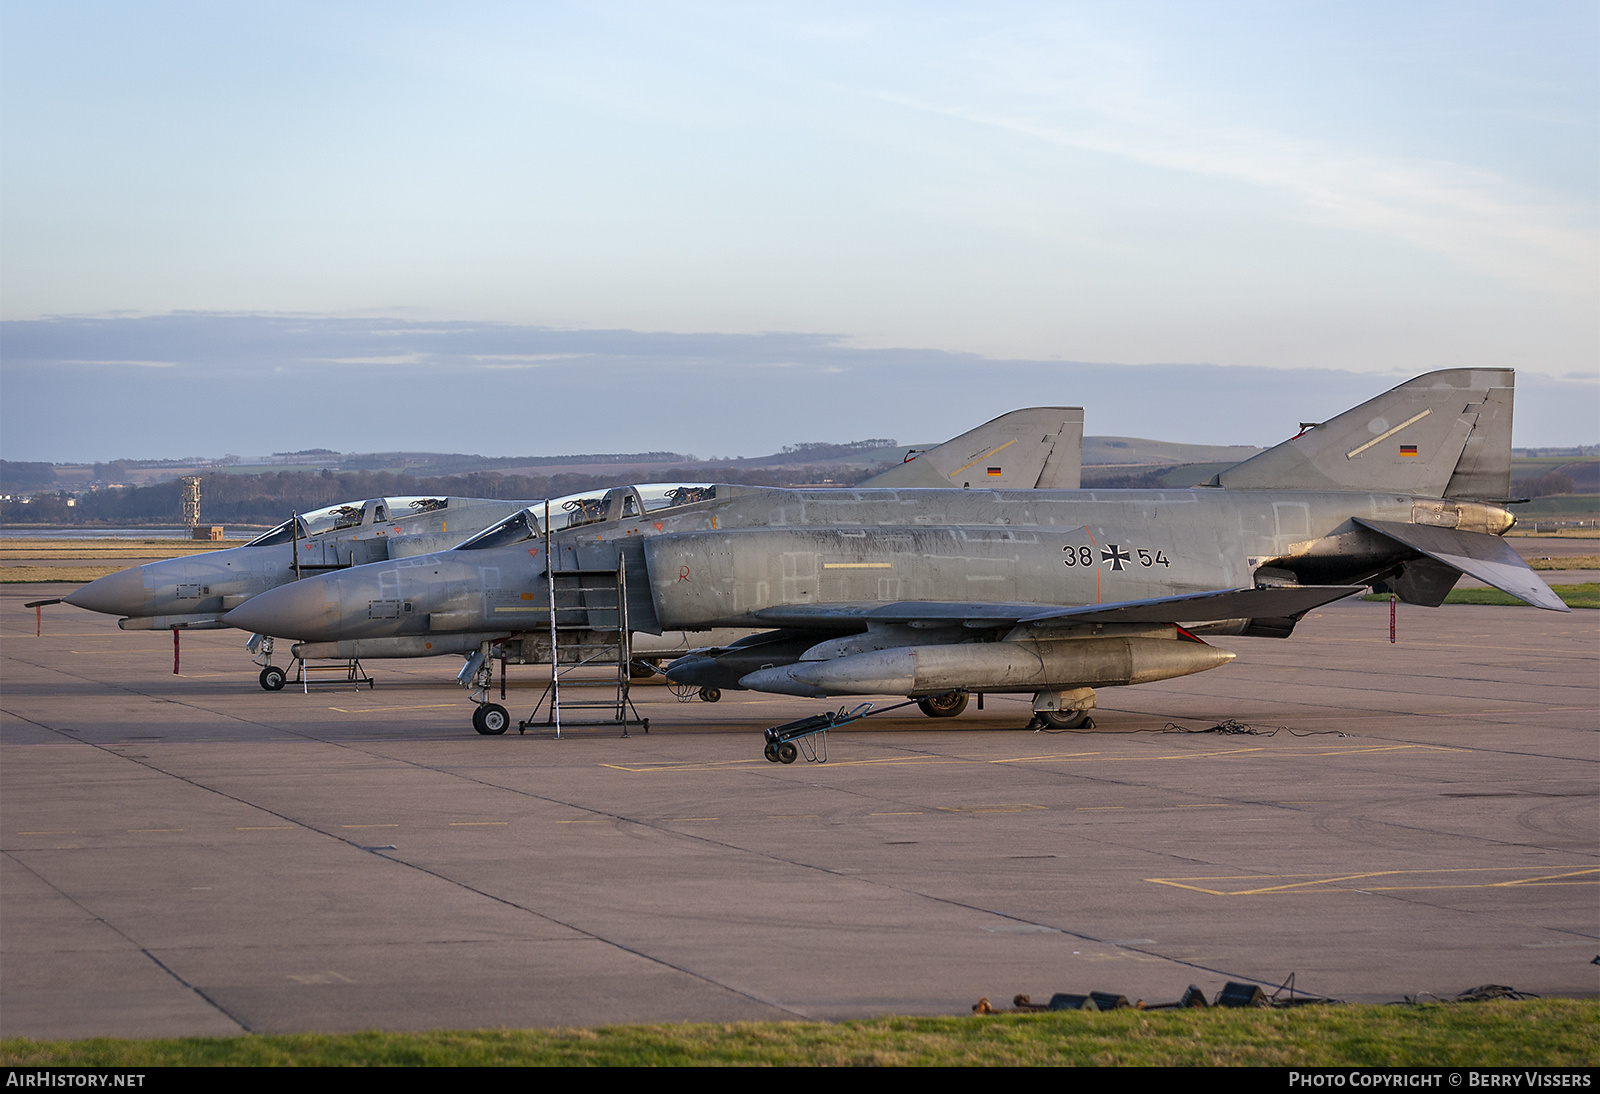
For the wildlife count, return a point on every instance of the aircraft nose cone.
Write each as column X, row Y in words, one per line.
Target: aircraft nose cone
column 297, row 610
column 121, row 593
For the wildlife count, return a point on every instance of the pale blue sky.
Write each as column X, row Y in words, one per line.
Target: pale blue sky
column 1366, row 188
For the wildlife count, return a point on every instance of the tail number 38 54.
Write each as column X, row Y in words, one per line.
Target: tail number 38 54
column 1113, row 555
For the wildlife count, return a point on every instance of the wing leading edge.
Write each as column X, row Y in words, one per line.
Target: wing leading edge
column 1273, row 602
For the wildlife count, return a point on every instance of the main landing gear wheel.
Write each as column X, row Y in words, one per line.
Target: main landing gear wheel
column 947, row 705
column 1063, row 719
column 787, row 752
column 272, row 678
column 491, row 719
column 710, row 695
column 771, row 753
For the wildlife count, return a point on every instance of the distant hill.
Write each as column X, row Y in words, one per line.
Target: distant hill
column 260, row 491
column 1138, row 452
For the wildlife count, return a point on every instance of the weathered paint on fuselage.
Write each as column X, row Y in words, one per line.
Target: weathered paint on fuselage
column 716, row 563
column 1036, row 547
column 196, row 590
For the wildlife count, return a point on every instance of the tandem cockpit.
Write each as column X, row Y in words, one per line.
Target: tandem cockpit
column 590, row 507
column 338, row 518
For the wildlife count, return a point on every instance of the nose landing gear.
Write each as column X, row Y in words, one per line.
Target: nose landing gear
column 491, row 719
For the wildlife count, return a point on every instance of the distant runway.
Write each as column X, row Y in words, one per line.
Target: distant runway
column 192, row 855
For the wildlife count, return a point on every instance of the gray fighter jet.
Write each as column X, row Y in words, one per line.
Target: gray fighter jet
column 936, row 594
column 1037, row 446
column 194, row 592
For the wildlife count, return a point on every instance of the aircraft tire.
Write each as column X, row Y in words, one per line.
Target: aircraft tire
column 771, row 753
column 710, row 695
column 491, row 720
column 1064, row 719
column 272, row 678
column 947, row 705
column 787, row 752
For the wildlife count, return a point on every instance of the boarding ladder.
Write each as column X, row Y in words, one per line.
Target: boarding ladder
column 589, row 630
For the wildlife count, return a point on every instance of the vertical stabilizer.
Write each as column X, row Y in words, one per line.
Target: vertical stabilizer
column 1443, row 434
column 1039, row 447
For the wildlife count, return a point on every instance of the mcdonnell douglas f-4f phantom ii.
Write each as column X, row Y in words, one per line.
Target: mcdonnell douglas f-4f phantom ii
column 1039, row 446
column 936, row 594
column 194, row 592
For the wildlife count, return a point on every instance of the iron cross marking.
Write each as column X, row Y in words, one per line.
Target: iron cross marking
column 1112, row 554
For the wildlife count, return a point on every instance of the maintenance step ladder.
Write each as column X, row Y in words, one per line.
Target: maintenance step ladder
column 591, row 631
column 337, row 672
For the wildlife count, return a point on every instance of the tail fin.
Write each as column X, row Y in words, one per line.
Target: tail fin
column 1443, row 434
column 1039, row 447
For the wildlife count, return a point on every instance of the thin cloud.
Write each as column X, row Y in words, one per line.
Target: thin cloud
column 109, row 361
column 1488, row 222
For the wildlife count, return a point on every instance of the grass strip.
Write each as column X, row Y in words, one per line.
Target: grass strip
column 1566, row 562
column 1549, row 1032
column 22, row 549
column 1573, row 596
column 42, row 575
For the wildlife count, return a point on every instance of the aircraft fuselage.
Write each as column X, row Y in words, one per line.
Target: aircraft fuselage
column 720, row 563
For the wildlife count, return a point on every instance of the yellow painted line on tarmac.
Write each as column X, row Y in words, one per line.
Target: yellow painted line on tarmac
column 892, row 761
column 1020, row 807
column 1322, row 883
column 1051, row 756
column 1544, row 879
column 1131, row 759
column 381, row 710
column 1385, row 748
column 708, row 765
column 87, row 644
column 711, row 765
column 52, row 832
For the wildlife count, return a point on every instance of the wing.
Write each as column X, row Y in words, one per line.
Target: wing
column 1488, row 558
column 1273, row 602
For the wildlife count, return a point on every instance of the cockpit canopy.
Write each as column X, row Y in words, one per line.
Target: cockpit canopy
column 337, row 518
column 590, row 507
